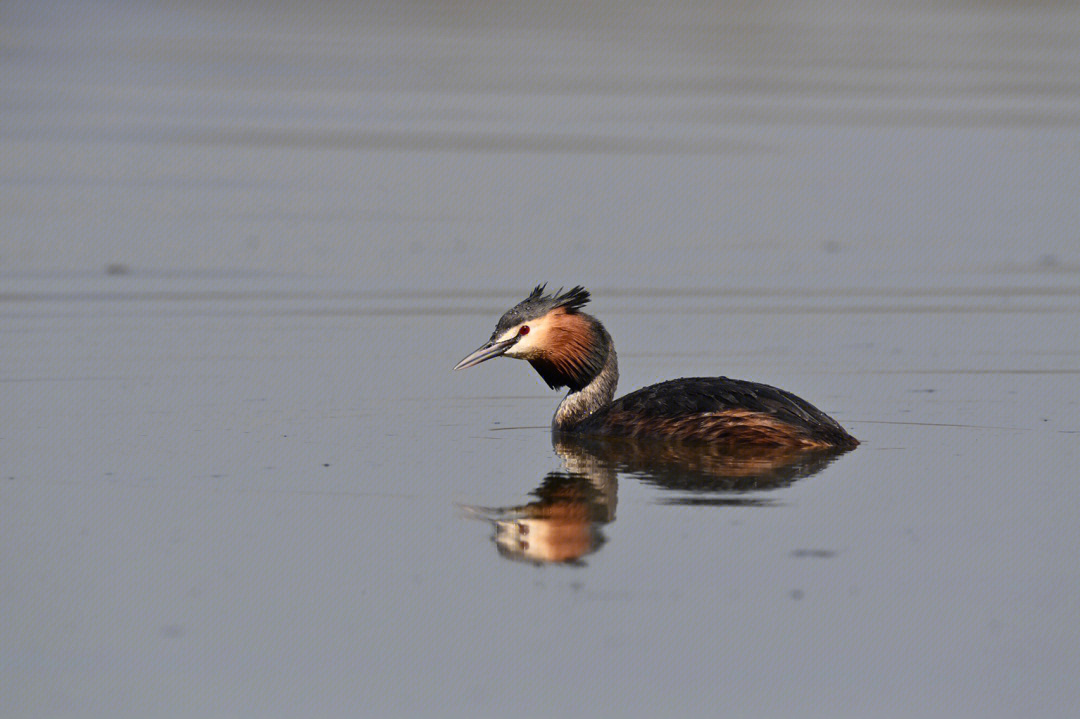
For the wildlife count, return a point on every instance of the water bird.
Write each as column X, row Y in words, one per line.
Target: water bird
column 569, row 348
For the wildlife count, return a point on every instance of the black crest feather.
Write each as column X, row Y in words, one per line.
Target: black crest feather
column 573, row 299
column 537, row 304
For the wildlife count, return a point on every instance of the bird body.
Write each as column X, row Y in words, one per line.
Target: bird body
column 569, row 348
column 717, row 410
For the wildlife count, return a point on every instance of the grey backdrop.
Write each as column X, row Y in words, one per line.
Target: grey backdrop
column 241, row 248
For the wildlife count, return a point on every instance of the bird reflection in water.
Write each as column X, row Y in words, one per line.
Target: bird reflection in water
column 564, row 523
column 561, row 525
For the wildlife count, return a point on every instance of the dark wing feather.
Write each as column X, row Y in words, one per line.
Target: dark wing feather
column 681, row 400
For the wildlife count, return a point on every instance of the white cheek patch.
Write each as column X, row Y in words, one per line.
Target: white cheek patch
column 509, row 334
column 530, row 344
column 522, row 348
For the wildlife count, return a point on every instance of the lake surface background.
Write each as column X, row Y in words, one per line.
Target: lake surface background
column 242, row 247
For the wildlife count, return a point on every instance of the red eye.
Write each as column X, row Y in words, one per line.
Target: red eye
column 524, row 330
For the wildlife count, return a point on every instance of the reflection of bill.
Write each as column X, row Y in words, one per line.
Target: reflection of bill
column 563, row 524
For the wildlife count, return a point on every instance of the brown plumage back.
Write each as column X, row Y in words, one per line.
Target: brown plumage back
column 734, row 427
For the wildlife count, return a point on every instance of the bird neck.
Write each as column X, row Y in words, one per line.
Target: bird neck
column 598, row 393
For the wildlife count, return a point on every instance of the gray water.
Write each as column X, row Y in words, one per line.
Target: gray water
column 241, row 249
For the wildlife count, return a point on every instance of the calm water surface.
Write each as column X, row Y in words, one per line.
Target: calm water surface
column 240, row 252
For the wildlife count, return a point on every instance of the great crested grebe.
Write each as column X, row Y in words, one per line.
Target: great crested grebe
column 572, row 349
